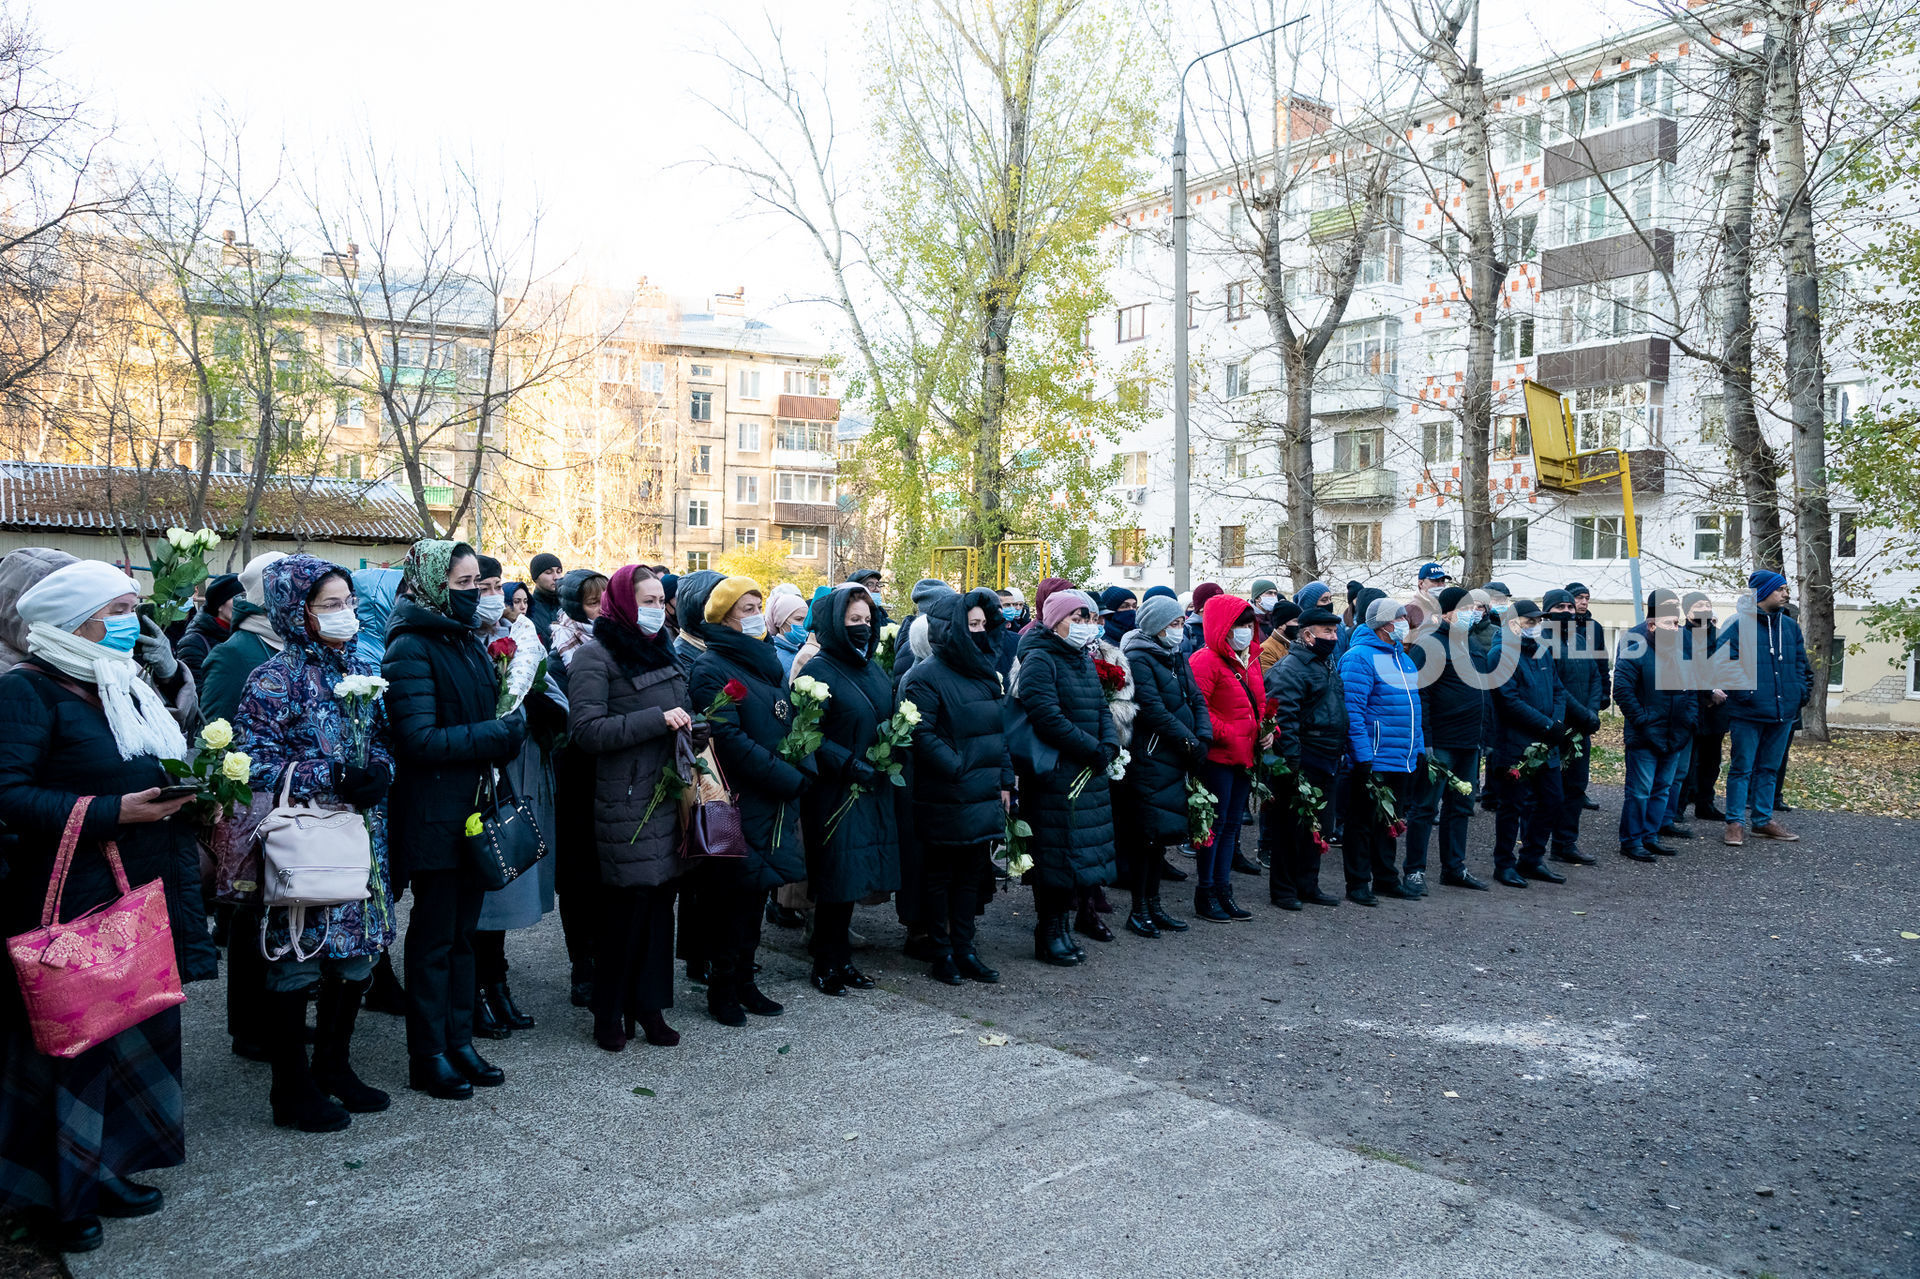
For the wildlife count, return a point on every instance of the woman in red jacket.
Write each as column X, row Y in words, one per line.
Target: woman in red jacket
column 1227, row 672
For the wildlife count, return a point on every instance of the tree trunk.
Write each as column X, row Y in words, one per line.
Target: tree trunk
column 1758, row 465
column 1303, row 551
column 1813, row 525
column 1486, row 274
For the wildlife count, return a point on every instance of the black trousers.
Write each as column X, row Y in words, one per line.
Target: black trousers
column 727, row 925
column 1528, row 812
column 633, row 965
column 1705, row 779
column 440, row 967
column 1295, row 872
column 576, row 856
column 490, row 955
column 831, row 944
column 951, row 876
column 1370, row 851
column 246, row 977
column 1051, row 903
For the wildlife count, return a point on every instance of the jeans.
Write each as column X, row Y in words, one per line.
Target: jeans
column 304, row 974
column 1295, row 873
column 1650, row 787
column 1436, row 803
column 1369, row 848
column 1755, row 768
column 1574, row 773
column 1677, row 793
column 1527, row 810
column 1232, row 786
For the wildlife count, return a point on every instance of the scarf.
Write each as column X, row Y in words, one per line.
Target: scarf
column 136, row 712
column 426, row 571
column 262, row 625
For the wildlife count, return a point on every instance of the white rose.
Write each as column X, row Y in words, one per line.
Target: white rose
column 218, row 735
column 909, row 712
column 176, row 538
column 236, row 767
column 1019, row 866
column 208, row 539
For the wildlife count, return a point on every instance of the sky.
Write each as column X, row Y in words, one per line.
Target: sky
column 594, row 104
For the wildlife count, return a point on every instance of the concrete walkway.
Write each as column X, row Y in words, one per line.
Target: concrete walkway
column 869, row 1135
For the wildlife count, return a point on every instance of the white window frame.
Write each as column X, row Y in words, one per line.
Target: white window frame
column 1596, row 528
column 747, row 384
column 815, row 487
column 613, row 365
column 817, row 383
column 699, row 513
column 803, row 543
column 1837, row 648
column 697, row 400
column 1626, row 415
column 478, row 361
column 1609, row 311
column 1369, row 348
column 1619, row 99
column 1436, row 538
column 701, row 373
column 1716, row 525
column 651, row 376
column 1136, row 469
column 746, row 490
column 1602, row 205
column 746, row 437
column 746, row 535
column 703, row 459
column 348, row 352
column 801, row 435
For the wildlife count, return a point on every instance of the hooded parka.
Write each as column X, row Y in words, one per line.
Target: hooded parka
column 1172, row 733
column 862, row 856
column 960, row 758
column 1073, row 844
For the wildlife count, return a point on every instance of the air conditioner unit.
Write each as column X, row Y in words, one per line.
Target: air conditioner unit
column 1133, row 572
column 1137, row 494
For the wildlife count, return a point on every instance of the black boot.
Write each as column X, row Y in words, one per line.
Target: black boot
column 488, row 1021
column 582, row 982
column 1224, row 896
column 1050, row 944
column 1206, row 905
column 1139, row 923
column 338, row 1009
column 1089, row 923
column 501, row 996
column 722, row 1005
column 474, row 1068
column 386, row 994
column 297, row 1101
column 973, row 970
column 435, row 1076
column 826, row 979
column 758, row 1004
column 945, row 970
column 1164, row 922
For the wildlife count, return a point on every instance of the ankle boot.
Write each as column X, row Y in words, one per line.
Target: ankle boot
column 581, row 993
column 1223, row 897
column 1206, row 905
column 1050, row 944
column 722, row 1004
column 1164, row 922
column 1139, row 923
column 296, row 1100
column 502, row 998
column 1090, row 924
column 610, row 1031
column 757, row 1003
column 654, row 1024
column 386, row 994
column 338, row 1009
column 488, row 1021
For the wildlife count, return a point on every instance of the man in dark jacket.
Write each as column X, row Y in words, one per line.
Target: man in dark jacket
column 547, row 571
column 1310, row 711
column 1769, row 679
column 1457, row 709
column 1530, row 709
column 210, row 624
column 1585, row 640
column 1710, row 729
column 1580, row 660
column 1660, row 708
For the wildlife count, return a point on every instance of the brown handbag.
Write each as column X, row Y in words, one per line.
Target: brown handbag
column 713, row 827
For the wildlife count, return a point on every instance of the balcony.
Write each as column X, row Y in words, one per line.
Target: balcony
column 408, row 375
column 1630, row 144
column 1609, row 259
column 1639, row 360
column 1328, row 224
column 805, row 514
column 809, row 408
column 1372, row 486
column 1354, row 393
column 437, row 494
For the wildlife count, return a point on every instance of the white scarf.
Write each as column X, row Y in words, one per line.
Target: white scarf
column 260, row 624
column 136, row 712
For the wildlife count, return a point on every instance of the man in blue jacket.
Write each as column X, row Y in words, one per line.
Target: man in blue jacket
column 1661, row 705
column 1387, row 744
column 1530, row 708
column 1767, row 643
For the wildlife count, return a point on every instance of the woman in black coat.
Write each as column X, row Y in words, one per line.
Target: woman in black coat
column 963, row 777
column 766, row 788
column 441, row 697
column 1171, row 734
column 862, row 855
column 1055, row 685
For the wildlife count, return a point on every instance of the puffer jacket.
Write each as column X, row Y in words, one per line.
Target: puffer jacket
column 1530, row 703
column 1658, row 718
column 1073, row 841
column 1310, row 707
column 1172, row 734
column 746, row 740
column 375, row 589
column 1382, row 689
column 620, row 686
column 1453, row 711
column 690, row 606
column 960, row 759
column 862, row 856
column 1782, row 676
column 1231, row 682
column 1584, row 669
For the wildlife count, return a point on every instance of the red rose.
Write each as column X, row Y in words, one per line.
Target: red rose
column 735, row 690
column 1397, row 829
column 1513, row 773
column 502, row 649
column 1113, row 677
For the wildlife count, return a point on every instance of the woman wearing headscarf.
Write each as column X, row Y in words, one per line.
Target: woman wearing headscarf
column 82, row 722
column 628, row 704
column 576, row 866
column 517, row 598
column 1069, row 806
column 766, row 789
column 787, row 625
column 854, row 853
column 447, row 744
column 1171, row 735
column 301, row 736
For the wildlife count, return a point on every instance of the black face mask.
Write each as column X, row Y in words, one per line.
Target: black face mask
column 1289, row 633
column 983, row 640
column 1123, row 619
column 462, row 606
column 858, row 637
column 1323, row 647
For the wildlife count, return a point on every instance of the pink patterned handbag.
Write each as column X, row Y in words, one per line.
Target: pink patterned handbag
column 87, row 980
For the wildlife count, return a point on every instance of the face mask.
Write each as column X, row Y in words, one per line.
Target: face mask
column 1173, row 636
column 1400, row 631
column 1267, row 602
column 1123, row 619
column 1479, row 616
column 492, row 607
column 1009, row 614
column 858, row 637
column 1499, row 610
column 1531, row 632
column 1289, row 633
column 754, row 627
column 983, row 641
column 122, row 630
column 650, row 619
column 1242, row 637
column 342, row 624
column 1323, row 647
column 1081, row 634
column 462, row 606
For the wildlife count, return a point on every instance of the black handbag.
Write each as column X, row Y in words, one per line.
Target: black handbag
column 508, row 843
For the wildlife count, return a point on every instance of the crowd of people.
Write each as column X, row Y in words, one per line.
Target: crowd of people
column 827, row 754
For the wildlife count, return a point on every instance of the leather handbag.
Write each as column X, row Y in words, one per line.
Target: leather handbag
column 86, row 980
column 310, row 856
column 713, row 826
column 508, row 842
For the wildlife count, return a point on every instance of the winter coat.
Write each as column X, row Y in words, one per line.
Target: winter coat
column 1454, row 712
column 1231, row 682
column 1172, row 734
column 205, row 632
column 746, row 741
column 960, row 759
column 58, row 747
column 1009, row 650
column 375, row 589
column 1657, row 719
column 1530, row 703
column 690, row 605
column 1073, row 839
column 1585, row 670
column 911, row 644
column 226, row 668
column 862, row 856
column 621, row 685
column 289, row 719
column 1384, row 719
column 1782, row 676
column 1193, row 636
column 1120, row 705
column 1310, row 707
column 441, row 696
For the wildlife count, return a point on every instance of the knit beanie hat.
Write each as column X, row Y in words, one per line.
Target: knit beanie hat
column 1157, row 613
column 1062, row 604
column 727, row 594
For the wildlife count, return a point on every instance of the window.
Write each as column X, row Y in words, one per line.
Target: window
column 1837, row 664
column 1443, row 260
column 1129, row 546
column 184, row 454
column 229, row 461
column 703, row 459
column 420, row 353
column 1838, row 402
column 1713, row 420
column 746, row 537
column 479, row 362
column 346, row 466
column 696, row 561
column 1130, row 323
column 1370, row 348
column 651, row 375
column 347, row 352
column 1846, row 534
column 746, row 490
column 1233, row 545
column 1516, row 337
column 1436, row 442
column 1599, row 537
column 1616, row 417
column 1604, row 312
column 1239, row 461
column 807, row 382
column 1616, row 102
column 1237, row 300
column 1717, row 536
column 1509, row 539
column 1604, row 204
column 1516, row 141
column 349, row 410
column 615, row 366
column 230, row 403
column 1356, row 543
column 747, row 436
column 803, row 486
column 1913, row 673
column 1239, row 378
column 1359, row 450
column 701, row 373
column 699, row 513
column 1518, row 236
column 701, row 407
column 747, row 384
column 1512, row 437
column 1436, row 538
column 1134, row 469
column 804, row 437
column 802, row 543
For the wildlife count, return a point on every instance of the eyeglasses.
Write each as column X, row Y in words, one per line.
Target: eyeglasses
column 335, row 606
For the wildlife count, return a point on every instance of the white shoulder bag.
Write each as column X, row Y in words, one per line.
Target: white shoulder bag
column 310, row 856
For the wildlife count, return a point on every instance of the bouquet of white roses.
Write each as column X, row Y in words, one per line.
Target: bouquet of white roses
column 178, row 566
column 526, row 666
column 224, row 776
column 359, row 693
column 895, row 733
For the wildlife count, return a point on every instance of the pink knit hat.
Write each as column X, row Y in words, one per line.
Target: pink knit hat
column 1063, row 604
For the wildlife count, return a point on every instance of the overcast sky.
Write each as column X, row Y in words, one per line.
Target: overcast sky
column 593, row 101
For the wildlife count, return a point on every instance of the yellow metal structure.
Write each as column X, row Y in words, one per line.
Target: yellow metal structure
column 957, row 565
column 1559, row 467
column 1004, row 560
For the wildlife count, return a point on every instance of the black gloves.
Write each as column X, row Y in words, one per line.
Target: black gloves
column 516, row 729
column 700, row 735
column 361, row 787
column 1195, row 752
column 864, row 775
column 1109, row 751
column 1362, row 769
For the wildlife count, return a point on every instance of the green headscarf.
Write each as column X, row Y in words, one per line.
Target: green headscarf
column 425, row 571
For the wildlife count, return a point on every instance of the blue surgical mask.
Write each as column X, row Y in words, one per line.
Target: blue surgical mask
column 1400, row 631
column 122, row 630
column 1010, row 614
column 1499, row 610
column 754, row 627
column 650, row 619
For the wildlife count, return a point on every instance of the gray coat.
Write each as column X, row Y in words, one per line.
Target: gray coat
column 618, row 716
